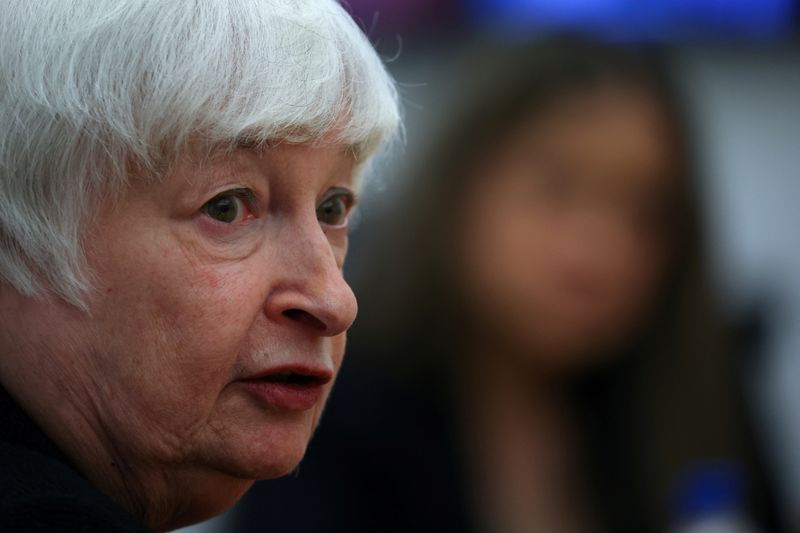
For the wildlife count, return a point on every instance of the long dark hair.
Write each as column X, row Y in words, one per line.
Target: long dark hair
column 666, row 404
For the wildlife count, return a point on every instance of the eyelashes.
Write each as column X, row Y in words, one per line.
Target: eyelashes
column 240, row 204
column 235, row 205
column 334, row 209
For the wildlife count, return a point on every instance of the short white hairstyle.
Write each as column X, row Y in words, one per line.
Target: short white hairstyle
column 90, row 87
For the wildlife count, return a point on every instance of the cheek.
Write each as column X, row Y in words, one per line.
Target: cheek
column 504, row 250
column 643, row 276
column 170, row 332
column 207, row 314
column 632, row 287
column 339, row 243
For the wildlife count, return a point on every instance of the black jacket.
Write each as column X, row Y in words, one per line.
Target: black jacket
column 41, row 491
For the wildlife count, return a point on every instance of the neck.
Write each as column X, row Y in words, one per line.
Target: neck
column 521, row 445
column 67, row 416
column 52, row 389
column 160, row 496
column 502, row 378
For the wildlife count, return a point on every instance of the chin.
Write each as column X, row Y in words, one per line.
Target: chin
column 271, row 452
column 206, row 504
column 220, row 482
column 278, row 465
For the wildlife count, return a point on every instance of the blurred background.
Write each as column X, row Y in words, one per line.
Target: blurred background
column 579, row 277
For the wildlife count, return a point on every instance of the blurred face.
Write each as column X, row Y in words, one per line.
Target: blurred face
column 218, row 325
column 566, row 230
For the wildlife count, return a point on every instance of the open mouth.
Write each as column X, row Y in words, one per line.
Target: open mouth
column 289, row 389
column 292, row 378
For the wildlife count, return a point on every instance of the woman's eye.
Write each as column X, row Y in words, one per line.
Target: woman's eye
column 228, row 207
column 334, row 209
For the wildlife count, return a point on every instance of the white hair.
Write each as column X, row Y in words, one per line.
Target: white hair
column 88, row 87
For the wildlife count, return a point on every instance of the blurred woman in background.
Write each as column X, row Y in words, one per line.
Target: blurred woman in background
column 538, row 349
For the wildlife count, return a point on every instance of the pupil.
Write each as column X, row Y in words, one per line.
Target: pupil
column 331, row 212
column 222, row 209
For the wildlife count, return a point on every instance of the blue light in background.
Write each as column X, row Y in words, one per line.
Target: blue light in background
column 641, row 19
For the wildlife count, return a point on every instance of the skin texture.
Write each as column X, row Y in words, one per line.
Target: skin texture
column 566, row 233
column 142, row 391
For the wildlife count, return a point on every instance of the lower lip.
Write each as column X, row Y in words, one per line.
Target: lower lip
column 285, row 396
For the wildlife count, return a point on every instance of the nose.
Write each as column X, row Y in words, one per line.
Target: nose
column 311, row 293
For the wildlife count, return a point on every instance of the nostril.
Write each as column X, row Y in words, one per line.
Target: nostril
column 305, row 317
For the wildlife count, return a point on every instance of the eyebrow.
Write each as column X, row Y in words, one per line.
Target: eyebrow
column 252, row 143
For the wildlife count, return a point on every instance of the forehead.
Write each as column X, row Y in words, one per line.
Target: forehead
column 276, row 159
column 622, row 132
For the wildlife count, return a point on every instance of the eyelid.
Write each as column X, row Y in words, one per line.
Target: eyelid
column 352, row 197
column 243, row 193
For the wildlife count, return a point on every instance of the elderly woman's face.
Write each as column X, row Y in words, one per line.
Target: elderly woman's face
column 220, row 314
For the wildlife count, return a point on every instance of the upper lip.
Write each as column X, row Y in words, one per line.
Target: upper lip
column 317, row 374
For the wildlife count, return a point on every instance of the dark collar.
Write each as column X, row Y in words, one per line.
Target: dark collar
column 42, row 490
column 20, row 430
